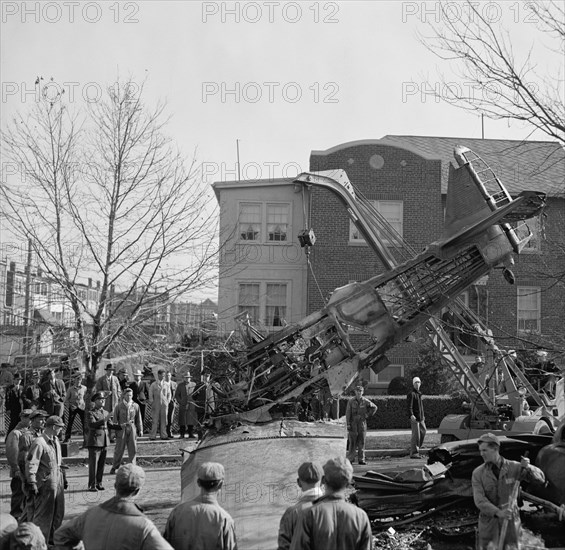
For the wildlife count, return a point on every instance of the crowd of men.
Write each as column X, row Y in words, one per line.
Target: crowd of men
column 164, row 396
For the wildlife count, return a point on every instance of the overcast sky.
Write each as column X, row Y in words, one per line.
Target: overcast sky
column 284, row 78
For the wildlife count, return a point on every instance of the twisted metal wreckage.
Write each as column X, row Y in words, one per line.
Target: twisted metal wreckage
column 484, row 227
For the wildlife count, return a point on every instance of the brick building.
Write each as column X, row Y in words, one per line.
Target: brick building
column 406, row 178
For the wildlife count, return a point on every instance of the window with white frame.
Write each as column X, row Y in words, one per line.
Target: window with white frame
column 264, row 222
column 277, row 222
column 275, row 312
column 248, row 300
column 386, row 375
column 250, row 221
column 391, row 210
column 529, row 309
column 534, row 244
column 265, row 302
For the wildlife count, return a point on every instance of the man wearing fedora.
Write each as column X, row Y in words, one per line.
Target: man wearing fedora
column 53, row 393
column 140, row 395
column 97, row 441
column 187, row 408
column 46, row 479
column 110, row 386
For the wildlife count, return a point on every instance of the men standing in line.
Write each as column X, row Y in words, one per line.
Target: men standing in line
column 32, row 393
column 110, row 386
column 492, row 484
column 172, row 402
column 53, row 393
column 28, row 436
column 417, row 420
column 140, row 390
column 75, row 400
column 116, row 523
column 159, row 398
column 46, row 480
column 15, row 401
column 309, row 478
column 202, row 522
column 97, row 441
column 358, row 409
column 187, row 409
column 12, row 449
column 331, row 522
column 127, row 416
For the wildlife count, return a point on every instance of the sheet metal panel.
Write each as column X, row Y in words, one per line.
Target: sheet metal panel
column 261, row 464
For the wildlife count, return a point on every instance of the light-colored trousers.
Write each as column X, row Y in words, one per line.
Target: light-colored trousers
column 158, row 419
column 418, row 434
column 126, row 438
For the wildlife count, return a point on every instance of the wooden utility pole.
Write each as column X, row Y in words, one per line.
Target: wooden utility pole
column 27, row 304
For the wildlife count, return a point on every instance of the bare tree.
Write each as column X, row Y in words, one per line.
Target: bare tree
column 110, row 197
column 500, row 83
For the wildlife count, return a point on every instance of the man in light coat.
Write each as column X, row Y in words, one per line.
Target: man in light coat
column 187, row 407
column 309, row 478
column 116, row 523
column 492, row 484
column 46, row 480
column 417, row 418
column 159, row 399
column 128, row 417
column 110, row 385
column 75, row 401
column 12, row 449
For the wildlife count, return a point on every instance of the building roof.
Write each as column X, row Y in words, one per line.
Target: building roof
column 217, row 185
column 520, row 165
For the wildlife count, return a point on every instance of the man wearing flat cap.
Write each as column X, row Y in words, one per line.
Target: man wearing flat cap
column 37, row 418
column 12, row 446
column 128, row 417
column 492, row 484
column 417, row 420
column 358, row 409
column 116, row 523
column 309, row 479
column 332, row 522
column 46, row 480
column 110, row 385
column 202, row 523
column 97, row 441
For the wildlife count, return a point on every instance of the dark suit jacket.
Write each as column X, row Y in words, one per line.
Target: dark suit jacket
column 97, row 423
column 140, row 391
column 52, row 394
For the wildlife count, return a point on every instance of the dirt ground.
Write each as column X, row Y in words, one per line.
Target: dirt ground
column 162, row 492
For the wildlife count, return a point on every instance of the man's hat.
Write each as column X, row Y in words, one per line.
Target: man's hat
column 211, row 471
column 26, row 413
column 54, row 420
column 129, row 477
column 110, row 367
column 416, row 379
column 122, row 370
column 309, row 472
column 490, row 438
column 359, row 387
column 128, row 390
column 338, row 472
column 17, row 375
column 98, row 395
column 39, row 412
column 186, row 375
column 137, row 373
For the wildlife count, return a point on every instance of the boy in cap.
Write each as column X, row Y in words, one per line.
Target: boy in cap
column 358, row 409
column 309, row 479
column 492, row 484
column 202, row 523
column 97, row 441
column 331, row 522
column 12, row 447
column 46, row 480
column 116, row 523
column 128, row 417
column 417, row 420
